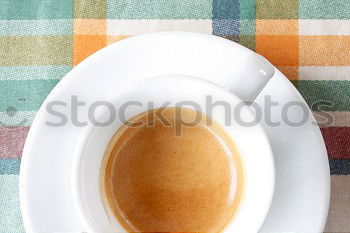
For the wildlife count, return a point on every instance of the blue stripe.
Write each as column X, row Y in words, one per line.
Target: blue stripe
column 226, row 9
column 226, row 27
column 226, row 17
column 10, row 166
column 339, row 166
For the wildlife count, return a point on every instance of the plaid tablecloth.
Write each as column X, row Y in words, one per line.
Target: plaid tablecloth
column 41, row 40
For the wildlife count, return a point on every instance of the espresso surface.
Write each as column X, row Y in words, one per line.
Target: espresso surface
column 156, row 182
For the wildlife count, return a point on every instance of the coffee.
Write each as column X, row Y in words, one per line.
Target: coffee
column 156, row 181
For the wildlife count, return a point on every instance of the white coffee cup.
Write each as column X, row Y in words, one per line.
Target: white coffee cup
column 252, row 143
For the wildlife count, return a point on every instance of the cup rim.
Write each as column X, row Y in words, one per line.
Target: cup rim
column 268, row 190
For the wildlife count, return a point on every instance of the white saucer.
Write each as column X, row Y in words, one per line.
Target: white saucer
column 302, row 191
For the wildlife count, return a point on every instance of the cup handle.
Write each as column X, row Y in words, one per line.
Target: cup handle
column 255, row 72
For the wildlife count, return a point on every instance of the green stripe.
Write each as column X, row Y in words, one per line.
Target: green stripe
column 277, row 9
column 160, row 9
column 324, row 9
column 336, row 92
column 36, row 9
column 90, row 9
column 36, row 27
column 247, row 27
column 247, row 41
column 11, row 219
column 35, row 50
column 10, row 166
column 247, row 9
column 34, row 93
column 33, row 72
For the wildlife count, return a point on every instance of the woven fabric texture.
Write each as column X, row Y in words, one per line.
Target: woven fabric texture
column 41, row 40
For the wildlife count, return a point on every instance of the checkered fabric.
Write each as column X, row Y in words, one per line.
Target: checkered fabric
column 41, row 40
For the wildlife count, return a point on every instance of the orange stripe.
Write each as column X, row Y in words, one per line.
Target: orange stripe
column 281, row 50
column 291, row 72
column 89, row 36
column 112, row 39
column 324, row 50
column 276, row 27
column 85, row 45
column 90, row 26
